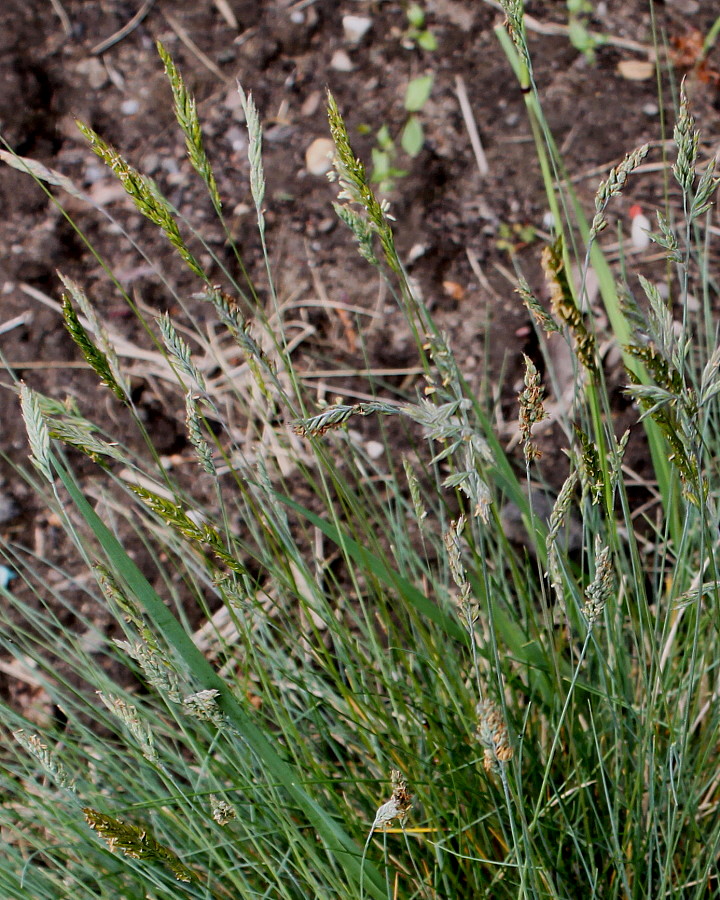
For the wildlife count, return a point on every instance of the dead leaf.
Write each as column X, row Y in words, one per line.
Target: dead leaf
column 453, row 290
column 636, row 69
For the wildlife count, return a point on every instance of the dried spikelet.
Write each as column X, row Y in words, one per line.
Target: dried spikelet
column 203, row 705
column 563, row 304
column 47, row 759
column 492, row 733
column 397, row 807
column 128, row 715
column 187, row 118
column 222, row 811
column 600, row 589
column 136, row 842
column 156, row 667
column 531, row 409
column 415, row 496
column 336, row 416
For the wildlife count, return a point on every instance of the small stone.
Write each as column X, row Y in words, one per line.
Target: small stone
column 374, row 449
column 341, row 62
column 95, row 71
column 311, row 104
column 129, row 107
column 415, row 252
column 355, row 28
column 651, row 109
column 237, row 138
column 319, row 155
column 8, row 508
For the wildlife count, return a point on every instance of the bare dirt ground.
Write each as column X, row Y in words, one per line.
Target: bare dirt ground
column 461, row 232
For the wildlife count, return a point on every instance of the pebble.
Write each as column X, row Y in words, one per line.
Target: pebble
column 8, row 508
column 355, row 28
column 318, row 156
column 95, row 72
column 237, row 138
column 341, row 62
column 6, row 576
column 129, row 107
column 374, row 449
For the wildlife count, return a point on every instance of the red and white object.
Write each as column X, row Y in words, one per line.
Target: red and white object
column 639, row 232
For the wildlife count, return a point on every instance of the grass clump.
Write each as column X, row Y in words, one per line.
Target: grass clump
column 385, row 698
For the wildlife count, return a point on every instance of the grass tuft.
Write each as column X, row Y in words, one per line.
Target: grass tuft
column 229, row 664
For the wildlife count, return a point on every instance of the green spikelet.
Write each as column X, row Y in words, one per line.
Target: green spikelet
column 535, row 308
column 200, row 532
column 355, row 188
column 95, row 358
column 613, row 185
column 187, row 117
column 145, row 195
column 136, row 842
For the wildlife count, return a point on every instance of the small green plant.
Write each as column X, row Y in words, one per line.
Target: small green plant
column 512, row 237
column 417, row 34
column 579, row 12
column 412, row 137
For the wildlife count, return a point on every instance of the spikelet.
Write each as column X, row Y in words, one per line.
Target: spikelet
column 564, row 306
column 203, row 705
column 129, row 716
column 145, row 195
column 222, row 811
column 136, row 842
column 613, row 185
column 531, row 409
column 37, row 431
column 397, row 807
column 187, row 118
column 339, row 415
column 47, row 759
column 493, row 735
column 600, row 589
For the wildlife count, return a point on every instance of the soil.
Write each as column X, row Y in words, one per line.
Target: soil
column 462, row 234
